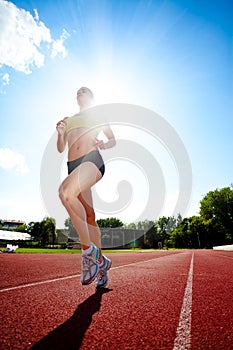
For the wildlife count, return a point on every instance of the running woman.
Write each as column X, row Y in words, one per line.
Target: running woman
column 85, row 169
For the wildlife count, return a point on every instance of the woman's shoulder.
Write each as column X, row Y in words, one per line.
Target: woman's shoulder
column 74, row 116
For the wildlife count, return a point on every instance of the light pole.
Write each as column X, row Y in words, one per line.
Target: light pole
column 199, row 243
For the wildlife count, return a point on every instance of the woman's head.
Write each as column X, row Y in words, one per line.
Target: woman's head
column 85, row 97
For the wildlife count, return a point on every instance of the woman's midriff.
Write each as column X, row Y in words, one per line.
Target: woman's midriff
column 81, row 142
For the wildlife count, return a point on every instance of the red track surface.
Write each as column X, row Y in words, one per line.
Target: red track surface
column 44, row 306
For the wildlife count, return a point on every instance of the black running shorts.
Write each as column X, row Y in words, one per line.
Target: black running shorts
column 93, row 157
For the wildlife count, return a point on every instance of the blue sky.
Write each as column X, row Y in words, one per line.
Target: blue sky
column 172, row 57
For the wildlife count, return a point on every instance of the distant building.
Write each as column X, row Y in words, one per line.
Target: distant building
column 11, row 224
column 6, row 236
column 72, row 241
column 120, row 237
column 110, row 238
column 62, row 236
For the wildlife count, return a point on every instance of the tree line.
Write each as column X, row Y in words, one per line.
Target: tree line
column 212, row 227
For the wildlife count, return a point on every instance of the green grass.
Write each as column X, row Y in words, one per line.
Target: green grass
column 73, row 251
column 47, row 251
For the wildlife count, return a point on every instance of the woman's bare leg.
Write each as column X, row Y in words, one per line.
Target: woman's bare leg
column 93, row 228
column 95, row 237
column 80, row 180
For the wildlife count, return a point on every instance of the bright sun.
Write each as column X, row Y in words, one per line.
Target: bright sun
column 111, row 88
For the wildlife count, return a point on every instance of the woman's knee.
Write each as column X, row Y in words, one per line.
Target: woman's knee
column 62, row 194
column 66, row 194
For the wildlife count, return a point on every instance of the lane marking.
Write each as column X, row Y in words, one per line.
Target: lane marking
column 183, row 331
column 38, row 283
column 33, row 284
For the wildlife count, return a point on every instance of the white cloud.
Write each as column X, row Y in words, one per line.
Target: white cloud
column 6, row 79
column 58, row 47
column 10, row 159
column 36, row 14
column 22, row 36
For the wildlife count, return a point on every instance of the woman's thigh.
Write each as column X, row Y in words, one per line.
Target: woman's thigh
column 81, row 179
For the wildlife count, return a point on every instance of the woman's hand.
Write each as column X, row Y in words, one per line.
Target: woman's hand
column 61, row 139
column 61, row 126
column 100, row 144
column 105, row 145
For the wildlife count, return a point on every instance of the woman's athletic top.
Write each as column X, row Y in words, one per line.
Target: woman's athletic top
column 81, row 120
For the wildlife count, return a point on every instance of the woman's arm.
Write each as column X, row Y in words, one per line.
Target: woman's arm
column 61, row 137
column 111, row 139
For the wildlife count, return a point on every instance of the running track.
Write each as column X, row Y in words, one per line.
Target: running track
column 155, row 300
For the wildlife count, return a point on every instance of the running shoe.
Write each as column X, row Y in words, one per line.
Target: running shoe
column 102, row 276
column 90, row 266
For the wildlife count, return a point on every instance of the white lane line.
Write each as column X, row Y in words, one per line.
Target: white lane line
column 72, row 276
column 183, row 332
column 38, row 283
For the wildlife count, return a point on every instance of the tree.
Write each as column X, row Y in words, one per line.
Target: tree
column 48, row 228
column 179, row 238
column 151, row 237
column 216, row 209
column 131, row 226
column 110, row 222
column 198, row 232
column 70, row 227
column 145, row 225
column 165, row 225
column 34, row 229
column 213, row 227
column 21, row 228
column 43, row 232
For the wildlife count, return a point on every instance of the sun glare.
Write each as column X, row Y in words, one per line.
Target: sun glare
column 111, row 88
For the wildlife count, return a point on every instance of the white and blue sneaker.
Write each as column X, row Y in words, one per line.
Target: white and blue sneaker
column 90, row 266
column 102, row 276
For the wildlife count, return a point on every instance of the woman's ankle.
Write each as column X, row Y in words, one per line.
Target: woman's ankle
column 85, row 247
